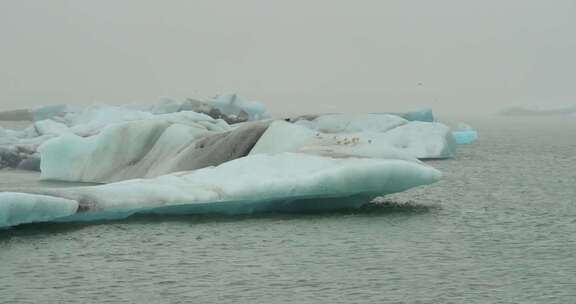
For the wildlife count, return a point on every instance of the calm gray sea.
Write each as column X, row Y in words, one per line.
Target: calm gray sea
column 500, row 228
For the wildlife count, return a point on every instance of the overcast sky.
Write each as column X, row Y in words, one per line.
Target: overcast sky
column 295, row 56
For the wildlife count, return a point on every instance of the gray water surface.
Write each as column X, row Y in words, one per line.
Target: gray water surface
column 500, row 228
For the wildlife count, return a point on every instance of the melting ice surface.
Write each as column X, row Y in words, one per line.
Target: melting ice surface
column 280, row 182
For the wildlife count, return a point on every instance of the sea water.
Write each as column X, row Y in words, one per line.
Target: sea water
column 500, row 228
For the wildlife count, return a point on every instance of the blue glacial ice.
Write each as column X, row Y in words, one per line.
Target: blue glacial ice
column 464, row 134
column 256, row 183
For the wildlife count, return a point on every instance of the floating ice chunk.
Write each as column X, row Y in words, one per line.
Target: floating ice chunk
column 74, row 158
column 464, row 134
column 424, row 140
column 286, row 137
column 20, row 208
column 411, row 140
column 256, row 183
column 146, row 148
column 465, row 137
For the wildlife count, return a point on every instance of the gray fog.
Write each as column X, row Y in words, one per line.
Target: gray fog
column 296, row 56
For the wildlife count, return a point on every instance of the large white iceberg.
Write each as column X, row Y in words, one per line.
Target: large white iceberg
column 153, row 147
column 286, row 137
column 211, row 156
column 145, row 148
column 256, row 183
column 423, row 140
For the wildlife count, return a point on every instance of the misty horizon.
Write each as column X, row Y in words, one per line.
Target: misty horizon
column 294, row 57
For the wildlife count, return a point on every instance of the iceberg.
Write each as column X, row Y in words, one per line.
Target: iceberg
column 379, row 134
column 24, row 144
column 286, row 137
column 464, row 134
column 255, row 183
column 147, row 148
column 218, row 155
column 423, row 140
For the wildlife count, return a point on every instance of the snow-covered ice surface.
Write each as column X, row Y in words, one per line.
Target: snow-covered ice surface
column 423, row 140
column 257, row 183
column 286, row 137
